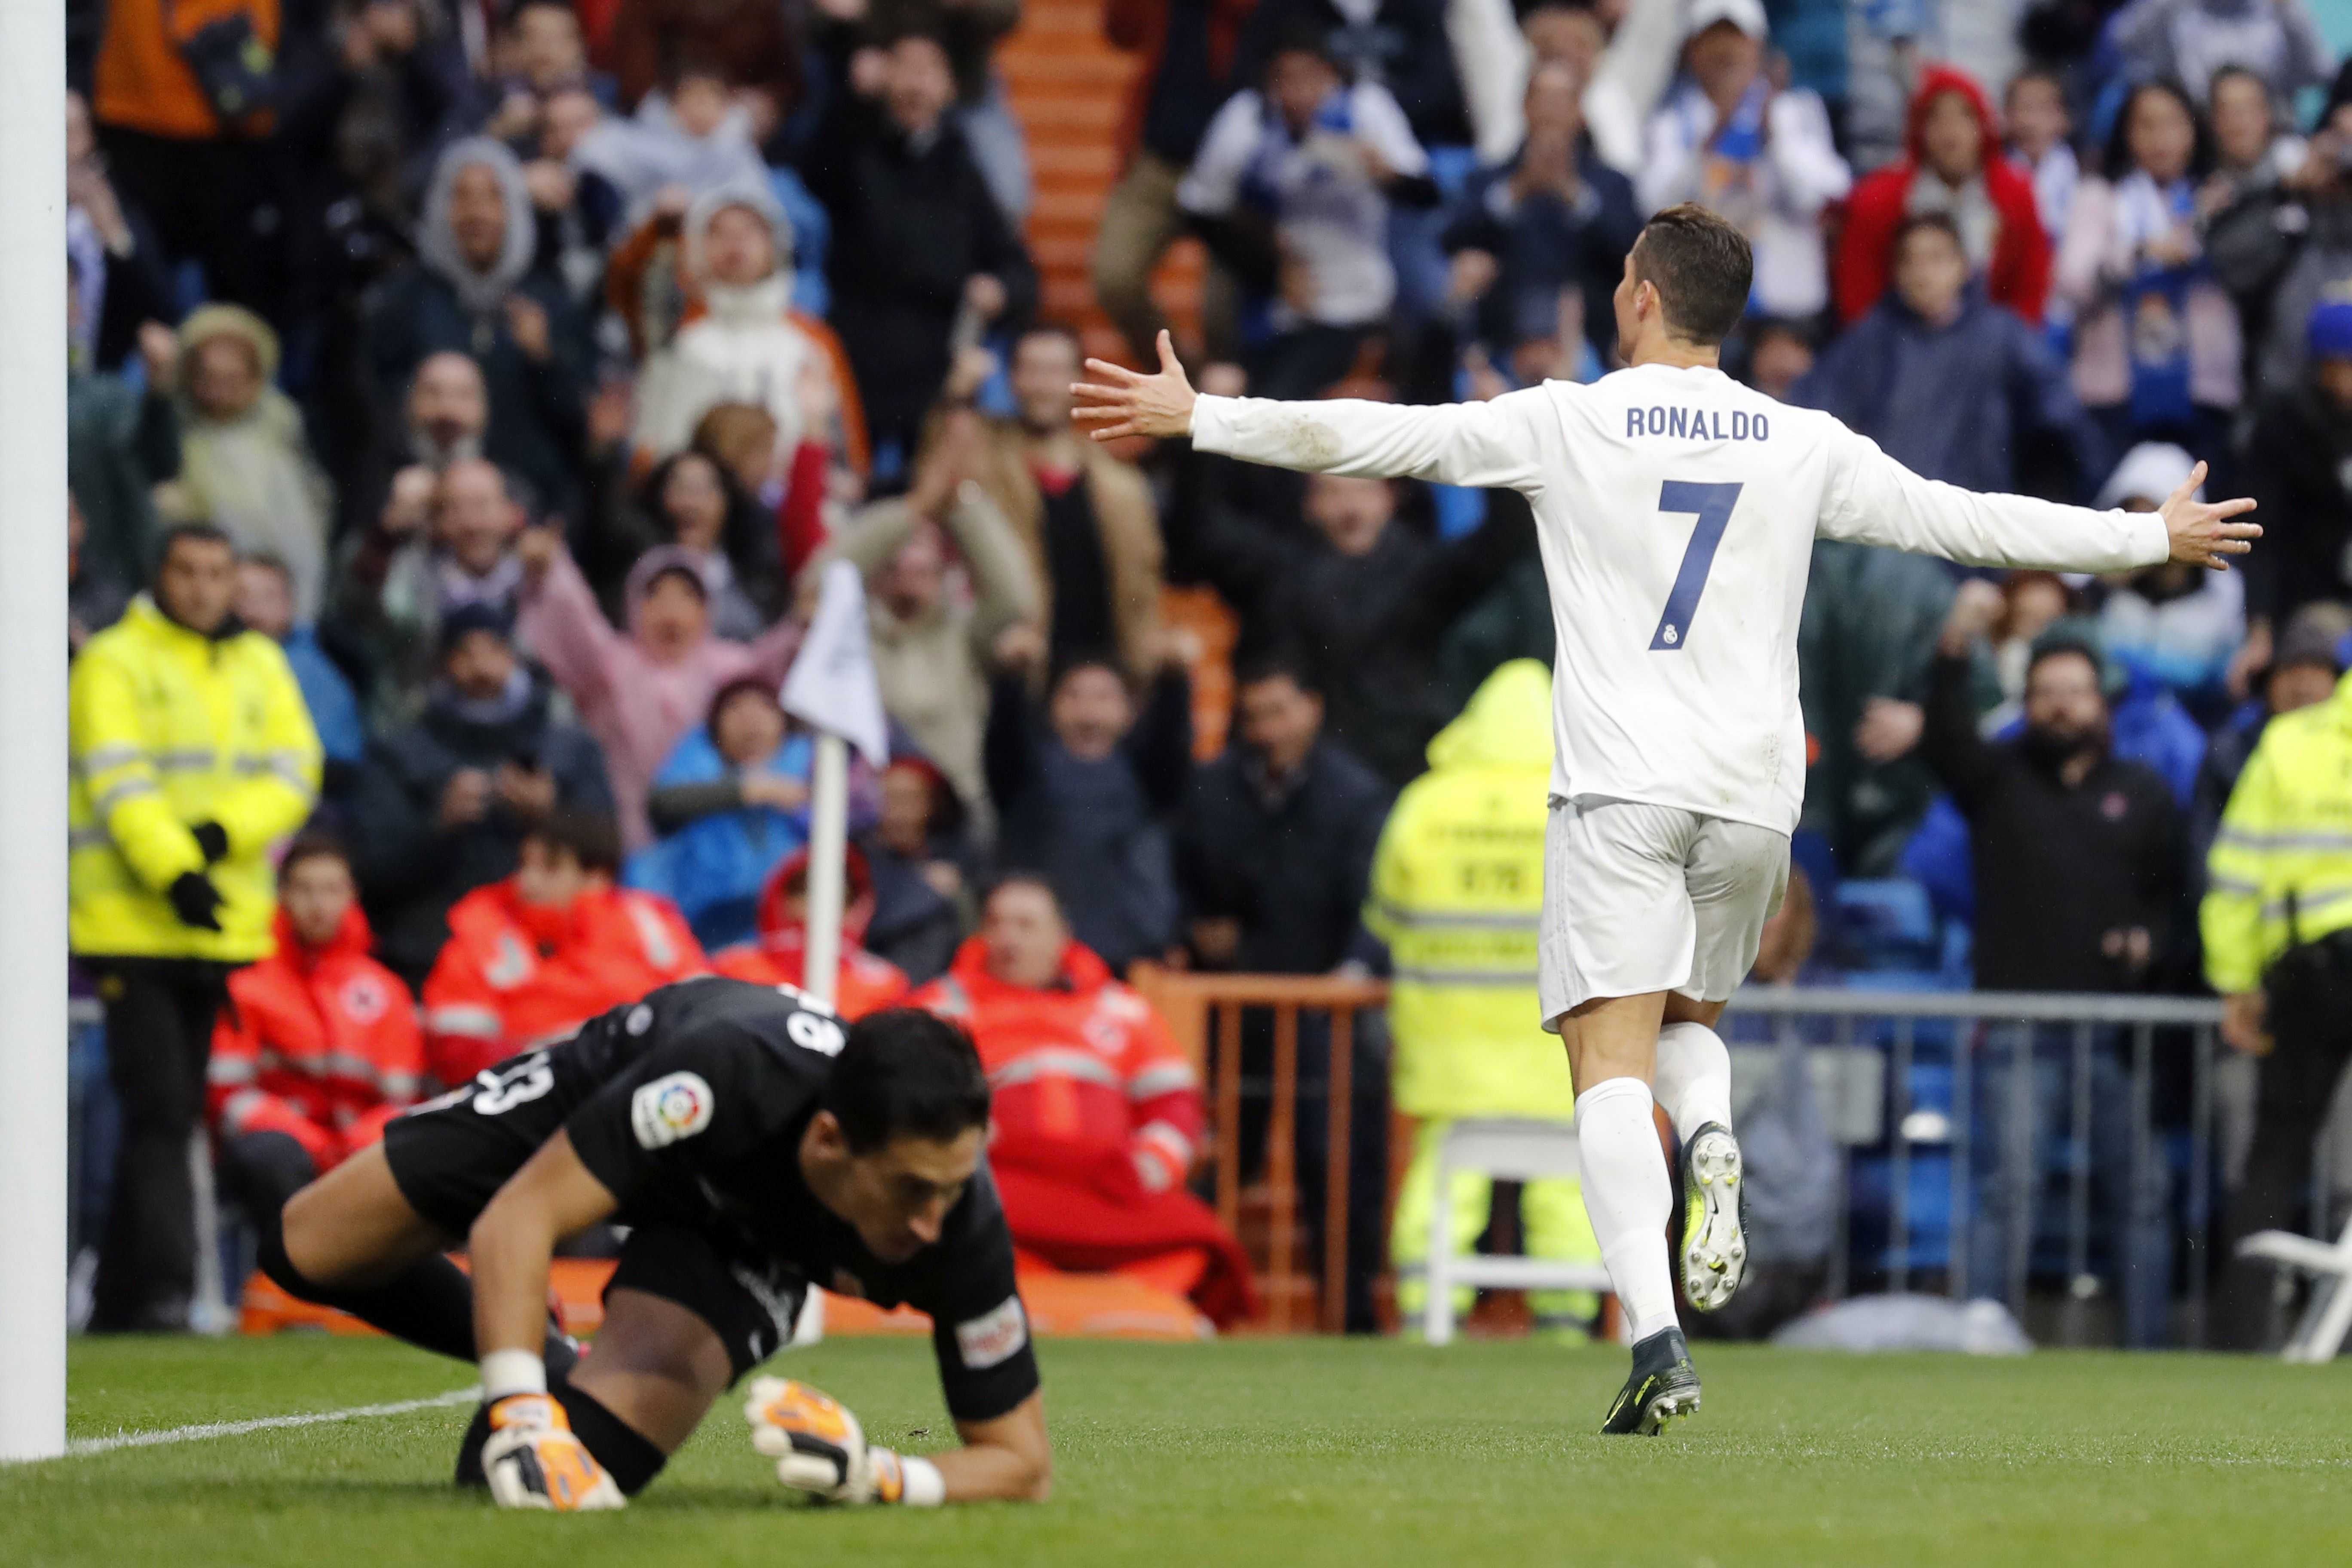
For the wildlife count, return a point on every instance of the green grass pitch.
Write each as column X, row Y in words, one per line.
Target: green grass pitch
column 1277, row 1452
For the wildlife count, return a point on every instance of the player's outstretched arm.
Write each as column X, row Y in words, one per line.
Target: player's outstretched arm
column 1874, row 499
column 1496, row 445
column 1009, row 1457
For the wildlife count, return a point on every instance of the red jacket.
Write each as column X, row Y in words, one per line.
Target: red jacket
column 320, row 1043
column 780, row 957
column 1096, row 1116
column 2017, row 275
column 513, row 976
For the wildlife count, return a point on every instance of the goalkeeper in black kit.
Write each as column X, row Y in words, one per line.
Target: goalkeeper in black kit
column 755, row 1147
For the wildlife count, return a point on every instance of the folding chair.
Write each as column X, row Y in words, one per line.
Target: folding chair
column 2327, row 1320
column 1512, row 1151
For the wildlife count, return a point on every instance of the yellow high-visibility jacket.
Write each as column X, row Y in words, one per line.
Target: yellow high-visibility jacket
column 170, row 728
column 2285, row 844
column 1457, row 894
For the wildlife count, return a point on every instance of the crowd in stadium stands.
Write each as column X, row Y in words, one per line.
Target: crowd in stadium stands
column 464, row 393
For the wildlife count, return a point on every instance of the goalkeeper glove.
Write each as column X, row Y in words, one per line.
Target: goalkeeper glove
column 819, row 1449
column 532, row 1459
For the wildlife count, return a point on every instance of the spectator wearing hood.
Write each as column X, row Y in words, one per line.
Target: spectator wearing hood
column 1954, row 165
column 319, row 1045
column 533, row 956
column 731, row 803
column 443, row 804
column 641, row 692
column 265, row 604
column 1948, row 382
column 741, row 339
column 1096, row 1116
column 2298, row 466
column 438, row 546
column 931, row 644
column 921, row 252
column 245, row 466
column 778, row 954
column 1760, row 157
column 921, row 857
column 2157, row 340
column 2173, row 625
column 691, row 500
column 475, row 289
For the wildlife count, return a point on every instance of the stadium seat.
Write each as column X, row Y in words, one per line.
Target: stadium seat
column 1508, row 1150
column 2328, row 1319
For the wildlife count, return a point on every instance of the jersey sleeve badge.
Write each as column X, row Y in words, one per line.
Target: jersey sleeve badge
column 670, row 1108
column 994, row 1337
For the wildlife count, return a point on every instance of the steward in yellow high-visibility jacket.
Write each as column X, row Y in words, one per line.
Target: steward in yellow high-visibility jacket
column 170, row 730
column 2277, row 922
column 1457, row 894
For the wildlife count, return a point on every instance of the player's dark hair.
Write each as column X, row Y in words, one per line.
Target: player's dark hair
column 591, row 837
column 1702, row 268
column 906, row 1073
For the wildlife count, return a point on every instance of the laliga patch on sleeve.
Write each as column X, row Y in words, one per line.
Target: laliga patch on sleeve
column 671, row 1107
column 994, row 1337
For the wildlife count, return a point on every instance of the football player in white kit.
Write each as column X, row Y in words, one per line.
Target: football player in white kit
column 1676, row 510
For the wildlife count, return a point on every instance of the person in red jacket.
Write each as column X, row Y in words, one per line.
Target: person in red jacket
column 1954, row 165
column 866, row 983
column 532, row 958
column 318, row 1047
column 1097, row 1114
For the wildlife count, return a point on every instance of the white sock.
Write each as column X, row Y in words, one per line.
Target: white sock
column 1628, row 1197
column 1694, row 1077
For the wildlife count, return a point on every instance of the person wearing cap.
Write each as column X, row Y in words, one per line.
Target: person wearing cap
column 441, row 806
column 1727, row 139
column 2177, row 627
column 2277, row 923
column 2298, row 467
column 741, row 340
column 2308, row 660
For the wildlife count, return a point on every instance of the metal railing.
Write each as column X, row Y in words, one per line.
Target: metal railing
column 1885, row 1038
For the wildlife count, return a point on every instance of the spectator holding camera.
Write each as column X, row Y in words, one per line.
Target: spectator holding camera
column 193, row 756
column 443, row 804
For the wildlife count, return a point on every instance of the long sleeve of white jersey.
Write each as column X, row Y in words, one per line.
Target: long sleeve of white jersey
column 1677, row 512
column 1874, row 499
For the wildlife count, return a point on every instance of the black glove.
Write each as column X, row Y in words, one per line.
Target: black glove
column 213, row 839
column 196, row 901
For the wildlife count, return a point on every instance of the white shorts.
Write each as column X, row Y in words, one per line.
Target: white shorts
column 1641, row 897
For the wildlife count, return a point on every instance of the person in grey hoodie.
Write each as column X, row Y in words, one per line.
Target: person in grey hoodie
column 476, row 288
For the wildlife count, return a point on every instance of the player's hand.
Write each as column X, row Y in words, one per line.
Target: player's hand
column 1136, row 404
column 533, row 1461
column 2203, row 534
column 818, row 1446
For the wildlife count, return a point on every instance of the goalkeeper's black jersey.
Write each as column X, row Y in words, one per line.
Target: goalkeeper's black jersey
column 693, row 1104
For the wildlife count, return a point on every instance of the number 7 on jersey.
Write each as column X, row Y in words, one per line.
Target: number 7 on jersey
column 1713, row 504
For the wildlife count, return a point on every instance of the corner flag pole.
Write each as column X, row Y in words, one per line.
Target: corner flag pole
column 33, row 729
column 833, row 690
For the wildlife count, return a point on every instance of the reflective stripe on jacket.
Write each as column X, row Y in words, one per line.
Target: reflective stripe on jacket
column 1457, row 894
column 2280, row 871
column 170, row 728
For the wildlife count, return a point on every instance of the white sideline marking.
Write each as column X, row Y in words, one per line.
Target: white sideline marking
column 198, row 1434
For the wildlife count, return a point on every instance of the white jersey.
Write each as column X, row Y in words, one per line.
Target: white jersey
column 1676, row 511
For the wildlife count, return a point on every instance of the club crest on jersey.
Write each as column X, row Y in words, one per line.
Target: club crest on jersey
column 1698, row 423
column 671, row 1107
column 364, row 999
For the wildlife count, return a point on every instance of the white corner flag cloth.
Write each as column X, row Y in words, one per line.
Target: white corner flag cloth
column 831, row 684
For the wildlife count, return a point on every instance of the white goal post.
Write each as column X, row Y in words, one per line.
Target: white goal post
column 32, row 730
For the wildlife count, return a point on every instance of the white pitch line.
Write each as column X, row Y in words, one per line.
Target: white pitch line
column 198, row 1434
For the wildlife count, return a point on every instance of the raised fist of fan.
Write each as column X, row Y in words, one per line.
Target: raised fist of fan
column 533, row 1461
column 818, row 1446
column 1136, row 404
column 2201, row 533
